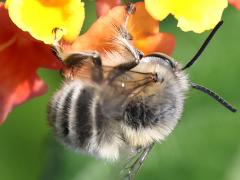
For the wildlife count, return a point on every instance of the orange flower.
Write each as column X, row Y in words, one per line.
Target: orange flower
column 142, row 26
column 235, row 3
column 20, row 57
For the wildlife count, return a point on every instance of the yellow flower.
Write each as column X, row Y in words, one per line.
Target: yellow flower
column 41, row 17
column 192, row 15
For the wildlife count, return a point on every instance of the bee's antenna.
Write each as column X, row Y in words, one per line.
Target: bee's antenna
column 204, row 45
column 214, row 96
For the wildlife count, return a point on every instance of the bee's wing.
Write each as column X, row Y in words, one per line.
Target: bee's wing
column 81, row 64
column 132, row 167
column 77, row 67
column 132, row 83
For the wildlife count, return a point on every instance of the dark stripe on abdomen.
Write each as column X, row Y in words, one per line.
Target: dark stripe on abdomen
column 64, row 120
column 83, row 115
column 100, row 119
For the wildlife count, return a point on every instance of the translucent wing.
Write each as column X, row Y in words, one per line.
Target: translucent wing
column 84, row 68
column 134, row 164
column 133, row 83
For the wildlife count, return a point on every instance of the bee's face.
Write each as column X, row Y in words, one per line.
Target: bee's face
column 157, row 63
column 167, row 72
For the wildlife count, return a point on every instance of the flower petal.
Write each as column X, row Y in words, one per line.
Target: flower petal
column 235, row 3
column 20, row 57
column 141, row 25
column 145, row 31
column 161, row 42
column 191, row 15
column 40, row 17
column 97, row 36
column 103, row 6
column 159, row 9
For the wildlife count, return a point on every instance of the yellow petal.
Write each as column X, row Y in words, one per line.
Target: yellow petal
column 159, row 9
column 40, row 17
column 192, row 15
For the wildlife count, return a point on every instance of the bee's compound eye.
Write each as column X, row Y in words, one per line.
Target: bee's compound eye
column 161, row 59
column 159, row 78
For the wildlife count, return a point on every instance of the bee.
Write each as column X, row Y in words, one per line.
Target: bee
column 104, row 110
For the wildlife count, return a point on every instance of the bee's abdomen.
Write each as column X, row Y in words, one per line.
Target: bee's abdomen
column 76, row 118
column 70, row 114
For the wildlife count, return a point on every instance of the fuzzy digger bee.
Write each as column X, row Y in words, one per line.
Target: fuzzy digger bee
column 103, row 110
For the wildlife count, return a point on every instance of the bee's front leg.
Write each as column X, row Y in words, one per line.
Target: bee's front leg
column 120, row 70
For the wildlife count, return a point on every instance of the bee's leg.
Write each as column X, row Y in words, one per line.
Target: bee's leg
column 131, row 9
column 97, row 71
column 119, row 70
column 125, row 37
column 79, row 57
column 56, row 48
column 56, row 53
column 130, row 170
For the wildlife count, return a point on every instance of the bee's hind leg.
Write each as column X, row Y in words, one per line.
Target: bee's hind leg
column 97, row 73
column 84, row 57
column 125, row 37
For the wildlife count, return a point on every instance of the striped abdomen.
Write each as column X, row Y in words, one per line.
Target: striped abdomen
column 75, row 114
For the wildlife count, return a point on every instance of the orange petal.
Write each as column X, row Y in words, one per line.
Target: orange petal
column 161, row 42
column 141, row 22
column 141, row 25
column 20, row 57
column 98, row 35
column 145, row 31
column 235, row 3
column 103, row 6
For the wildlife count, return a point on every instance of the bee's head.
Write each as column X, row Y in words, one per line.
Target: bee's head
column 165, row 68
column 169, row 78
column 168, row 63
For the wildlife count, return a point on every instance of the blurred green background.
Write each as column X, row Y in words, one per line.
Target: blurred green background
column 205, row 144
